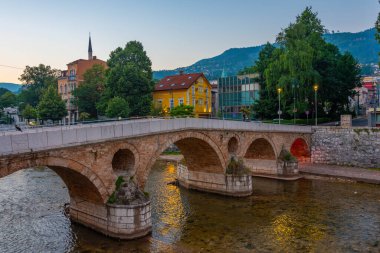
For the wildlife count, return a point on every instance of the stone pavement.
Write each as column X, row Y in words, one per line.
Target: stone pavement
column 353, row 173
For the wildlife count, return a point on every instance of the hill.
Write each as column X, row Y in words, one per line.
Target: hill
column 361, row 45
column 13, row 87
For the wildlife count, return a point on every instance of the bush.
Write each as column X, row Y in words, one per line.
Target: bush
column 286, row 156
column 237, row 167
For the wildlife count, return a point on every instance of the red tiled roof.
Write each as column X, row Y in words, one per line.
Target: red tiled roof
column 177, row 82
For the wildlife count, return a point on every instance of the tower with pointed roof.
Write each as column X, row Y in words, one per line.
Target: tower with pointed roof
column 72, row 78
column 89, row 48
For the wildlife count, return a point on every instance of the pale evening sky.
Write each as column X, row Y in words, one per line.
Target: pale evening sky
column 175, row 33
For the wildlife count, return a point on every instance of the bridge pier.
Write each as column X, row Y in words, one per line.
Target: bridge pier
column 230, row 185
column 117, row 221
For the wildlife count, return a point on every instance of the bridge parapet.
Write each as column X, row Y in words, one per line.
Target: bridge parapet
column 58, row 137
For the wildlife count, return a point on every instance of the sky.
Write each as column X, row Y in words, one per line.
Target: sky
column 175, row 33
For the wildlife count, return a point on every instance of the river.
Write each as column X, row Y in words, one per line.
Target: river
column 302, row 216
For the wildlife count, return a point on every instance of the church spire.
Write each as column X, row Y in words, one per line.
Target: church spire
column 89, row 48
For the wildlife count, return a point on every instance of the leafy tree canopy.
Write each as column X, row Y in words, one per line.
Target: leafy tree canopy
column 130, row 76
column 303, row 60
column 51, row 105
column 118, row 107
column 3, row 90
column 8, row 99
column 37, row 79
column 29, row 112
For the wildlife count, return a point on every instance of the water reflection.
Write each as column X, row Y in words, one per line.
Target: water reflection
column 302, row 216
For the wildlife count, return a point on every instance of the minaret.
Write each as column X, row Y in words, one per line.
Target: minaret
column 89, row 48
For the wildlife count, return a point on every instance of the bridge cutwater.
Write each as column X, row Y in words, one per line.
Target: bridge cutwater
column 90, row 157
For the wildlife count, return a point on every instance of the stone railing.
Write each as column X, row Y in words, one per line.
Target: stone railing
column 62, row 136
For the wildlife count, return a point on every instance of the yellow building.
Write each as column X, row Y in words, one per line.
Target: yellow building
column 188, row 89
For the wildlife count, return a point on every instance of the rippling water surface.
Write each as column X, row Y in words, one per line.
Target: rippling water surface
column 302, row 216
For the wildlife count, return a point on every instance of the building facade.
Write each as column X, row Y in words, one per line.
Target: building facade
column 214, row 98
column 236, row 92
column 188, row 89
column 372, row 84
column 71, row 78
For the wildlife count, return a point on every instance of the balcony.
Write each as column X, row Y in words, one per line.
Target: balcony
column 72, row 78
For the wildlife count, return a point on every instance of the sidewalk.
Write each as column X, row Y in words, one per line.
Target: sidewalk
column 353, row 173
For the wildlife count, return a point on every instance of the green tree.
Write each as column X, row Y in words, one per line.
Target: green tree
column 51, row 105
column 265, row 107
column 29, row 112
column 118, row 107
column 3, row 91
column 182, row 110
column 37, row 79
column 302, row 60
column 130, row 77
column 88, row 94
column 8, row 99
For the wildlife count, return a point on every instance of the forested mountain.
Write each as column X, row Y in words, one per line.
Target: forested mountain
column 361, row 45
column 13, row 87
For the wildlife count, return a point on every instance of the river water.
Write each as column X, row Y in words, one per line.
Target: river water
column 302, row 216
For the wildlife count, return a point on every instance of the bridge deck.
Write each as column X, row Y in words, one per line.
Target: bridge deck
column 46, row 138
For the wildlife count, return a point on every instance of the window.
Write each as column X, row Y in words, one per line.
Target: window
column 193, row 90
column 65, row 88
column 200, row 89
column 180, row 101
column 60, row 89
column 171, row 101
column 206, row 91
column 200, row 101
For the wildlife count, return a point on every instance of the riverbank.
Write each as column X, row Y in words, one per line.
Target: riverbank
column 312, row 171
column 342, row 172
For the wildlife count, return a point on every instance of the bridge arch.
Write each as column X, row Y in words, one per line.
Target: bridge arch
column 81, row 181
column 200, row 152
column 261, row 148
column 261, row 156
column 124, row 158
column 300, row 149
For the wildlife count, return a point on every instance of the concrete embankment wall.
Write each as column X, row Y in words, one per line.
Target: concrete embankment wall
column 346, row 146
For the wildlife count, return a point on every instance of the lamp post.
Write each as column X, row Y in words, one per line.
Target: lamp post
column 279, row 90
column 315, row 87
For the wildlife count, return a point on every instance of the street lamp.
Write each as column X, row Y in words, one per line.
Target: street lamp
column 279, row 90
column 315, row 87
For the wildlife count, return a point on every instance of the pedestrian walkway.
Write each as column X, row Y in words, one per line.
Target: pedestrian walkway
column 354, row 173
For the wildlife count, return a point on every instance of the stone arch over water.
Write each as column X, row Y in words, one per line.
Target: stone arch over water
column 300, row 149
column 260, row 156
column 81, row 182
column 199, row 151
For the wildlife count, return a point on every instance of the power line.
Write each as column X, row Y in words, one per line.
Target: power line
column 12, row 67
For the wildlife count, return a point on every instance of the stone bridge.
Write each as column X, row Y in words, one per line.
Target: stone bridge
column 90, row 157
